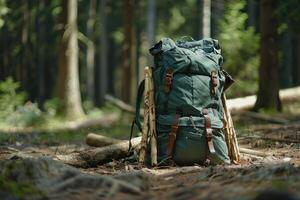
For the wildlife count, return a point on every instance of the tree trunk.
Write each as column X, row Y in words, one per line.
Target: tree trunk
column 103, row 68
column 217, row 11
column 206, row 18
column 129, row 54
column 113, row 62
column 41, row 55
column 151, row 19
column 251, row 10
column 286, row 68
column 268, row 93
column 69, row 77
column 23, row 70
column 199, row 17
column 90, row 55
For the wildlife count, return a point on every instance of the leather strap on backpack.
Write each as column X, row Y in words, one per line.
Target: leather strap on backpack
column 139, row 99
column 172, row 135
column 168, row 80
column 168, row 86
column 208, row 129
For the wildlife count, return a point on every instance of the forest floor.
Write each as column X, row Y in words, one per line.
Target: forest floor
column 29, row 170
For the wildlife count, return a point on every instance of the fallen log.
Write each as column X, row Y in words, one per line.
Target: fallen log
column 244, row 103
column 96, row 140
column 103, row 121
column 95, row 156
column 121, row 104
column 254, row 152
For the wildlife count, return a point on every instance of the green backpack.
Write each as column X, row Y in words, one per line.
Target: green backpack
column 189, row 81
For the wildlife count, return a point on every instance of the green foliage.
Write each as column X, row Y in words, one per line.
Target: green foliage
column 240, row 45
column 53, row 106
column 10, row 99
column 175, row 19
column 17, row 180
column 288, row 14
column 19, row 190
column 8, row 139
column 12, row 108
column 27, row 115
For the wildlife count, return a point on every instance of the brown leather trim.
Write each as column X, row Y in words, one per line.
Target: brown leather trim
column 209, row 135
column 172, row 136
column 168, row 80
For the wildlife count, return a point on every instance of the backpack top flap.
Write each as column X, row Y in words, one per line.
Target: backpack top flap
column 196, row 57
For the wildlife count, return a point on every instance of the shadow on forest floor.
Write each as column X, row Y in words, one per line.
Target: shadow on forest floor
column 26, row 171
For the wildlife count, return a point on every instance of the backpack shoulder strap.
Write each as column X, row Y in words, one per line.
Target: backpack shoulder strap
column 137, row 119
column 138, row 104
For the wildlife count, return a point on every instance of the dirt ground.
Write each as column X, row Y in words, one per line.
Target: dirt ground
column 275, row 172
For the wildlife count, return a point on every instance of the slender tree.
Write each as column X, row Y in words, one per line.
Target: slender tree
column 286, row 66
column 268, row 93
column 206, row 31
column 251, row 10
column 288, row 14
column 199, row 16
column 23, row 70
column 217, row 12
column 90, row 54
column 151, row 21
column 41, row 54
column 129, row 53
column 103, row 68
column 69, row 77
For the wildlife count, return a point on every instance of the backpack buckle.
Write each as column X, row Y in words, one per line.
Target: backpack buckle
column 209, row 132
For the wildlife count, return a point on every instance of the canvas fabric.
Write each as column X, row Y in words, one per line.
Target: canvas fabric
column 191, row 63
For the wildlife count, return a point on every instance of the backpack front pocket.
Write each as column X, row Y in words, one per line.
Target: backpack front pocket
column 191, row 147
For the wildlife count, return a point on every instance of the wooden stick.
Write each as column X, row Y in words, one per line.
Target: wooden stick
column 230, row 134
column 145, row 131
column 149, row 128
column 142, row 154
column 152, row 118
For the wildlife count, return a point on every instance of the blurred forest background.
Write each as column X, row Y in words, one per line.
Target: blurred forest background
column 59, row 58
